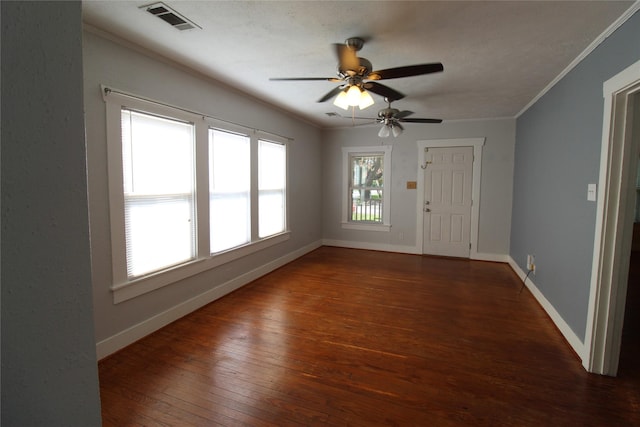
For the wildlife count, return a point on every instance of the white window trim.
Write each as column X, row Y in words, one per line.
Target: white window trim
column 124, row 288
column 386, row 198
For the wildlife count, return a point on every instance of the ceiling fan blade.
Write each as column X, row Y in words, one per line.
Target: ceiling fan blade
column 327, row 79
column 360, row 118
column 351, row 117
column 383, row 91
column 403, row 114
column 420, row 120
column 333, row 92
column 347, row 58
column 399, row 125
column 367, row 120
column 369, row 123
column 407, row 71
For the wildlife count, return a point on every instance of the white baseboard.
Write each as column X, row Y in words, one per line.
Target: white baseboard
column 384, row 247
column 387, row 247
column 563, row 327
column 480, row 256
column 136, row 332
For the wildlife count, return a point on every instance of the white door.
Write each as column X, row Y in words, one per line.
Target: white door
column 447, row 201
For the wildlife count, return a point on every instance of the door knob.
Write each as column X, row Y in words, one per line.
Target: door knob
column 427, row 202
column 427, row 210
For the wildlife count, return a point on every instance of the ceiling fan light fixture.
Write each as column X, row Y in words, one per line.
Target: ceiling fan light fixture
column 365, row 100
column 384, row 131
column 341, row 100
column 396, row 130
column 353, row 95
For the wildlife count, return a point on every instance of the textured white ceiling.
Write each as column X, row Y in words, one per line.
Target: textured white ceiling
column 497, row 56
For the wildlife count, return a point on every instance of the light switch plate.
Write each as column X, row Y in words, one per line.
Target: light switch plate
column 591, row 192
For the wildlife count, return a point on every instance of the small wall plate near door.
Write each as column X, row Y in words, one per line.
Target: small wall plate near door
column 591, row 192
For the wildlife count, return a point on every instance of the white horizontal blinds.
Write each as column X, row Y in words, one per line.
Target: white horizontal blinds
column 272, row 173
column 366, row 187
column 159, row 192
column 229, row 190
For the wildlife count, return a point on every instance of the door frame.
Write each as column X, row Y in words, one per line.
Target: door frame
column 614, row 216
column 477, row 144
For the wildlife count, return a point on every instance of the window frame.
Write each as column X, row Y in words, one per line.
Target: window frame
column 284, row 188
column 125, row 288
column 249, row 201
column 346, row 221
column 130, row 194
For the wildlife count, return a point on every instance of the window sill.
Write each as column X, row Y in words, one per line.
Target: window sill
column 366, row 227
column 139, row 286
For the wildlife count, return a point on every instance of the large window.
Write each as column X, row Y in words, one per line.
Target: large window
column 229, row 189
column 158, row 180
column 187, row 195
column 271, row 187
column 366, row 172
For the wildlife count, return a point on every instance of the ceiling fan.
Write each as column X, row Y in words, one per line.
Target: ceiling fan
column 391, row 119
column 356, row 76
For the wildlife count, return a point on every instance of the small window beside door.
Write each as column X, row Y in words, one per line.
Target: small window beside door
column 366, row 175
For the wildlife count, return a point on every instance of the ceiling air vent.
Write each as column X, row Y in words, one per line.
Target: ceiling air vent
column 169, row 16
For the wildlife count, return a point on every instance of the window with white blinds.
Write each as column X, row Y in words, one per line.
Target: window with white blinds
column 187, row 193
column 271, row 188
column 158, row 177
column 229, row 190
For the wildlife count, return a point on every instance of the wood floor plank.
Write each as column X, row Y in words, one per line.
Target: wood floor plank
column 353, row 337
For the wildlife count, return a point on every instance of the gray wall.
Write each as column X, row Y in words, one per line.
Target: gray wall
column 557, row 154
column 496, row 181
column 49, row 371
column 113, row 64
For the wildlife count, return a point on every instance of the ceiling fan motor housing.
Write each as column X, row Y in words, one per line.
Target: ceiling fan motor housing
column 363, row 70
column 388, row 112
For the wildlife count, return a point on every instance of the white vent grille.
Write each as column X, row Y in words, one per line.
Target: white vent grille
column 170, row 16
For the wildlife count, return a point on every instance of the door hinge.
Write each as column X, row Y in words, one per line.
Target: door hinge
column 469, row 246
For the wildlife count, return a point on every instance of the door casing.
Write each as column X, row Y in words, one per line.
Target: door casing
column 614, row 219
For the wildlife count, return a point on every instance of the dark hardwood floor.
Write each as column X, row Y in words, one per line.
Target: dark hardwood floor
column 630, row 350
column 350, row 337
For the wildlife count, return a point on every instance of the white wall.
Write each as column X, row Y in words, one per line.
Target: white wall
column 110, row 63
column 49, row 370
column 496, row 182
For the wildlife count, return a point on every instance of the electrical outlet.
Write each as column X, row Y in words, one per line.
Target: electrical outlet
column 531, row 263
